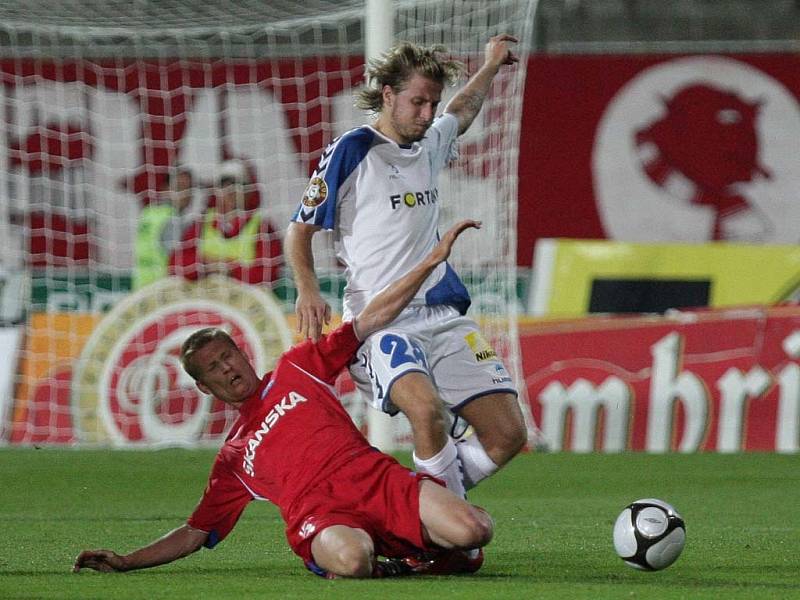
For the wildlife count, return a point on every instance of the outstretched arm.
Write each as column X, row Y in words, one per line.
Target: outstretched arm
column 311, row 309
column 467, row 103
column 385, row 307
column 176, row 544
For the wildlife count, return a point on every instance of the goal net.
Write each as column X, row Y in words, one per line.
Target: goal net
column 130, row 128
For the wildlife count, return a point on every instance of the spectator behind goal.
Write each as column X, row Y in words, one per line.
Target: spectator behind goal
column 161, row 226
column 233, row 237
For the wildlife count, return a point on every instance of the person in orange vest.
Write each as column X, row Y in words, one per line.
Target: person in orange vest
column 233, row 237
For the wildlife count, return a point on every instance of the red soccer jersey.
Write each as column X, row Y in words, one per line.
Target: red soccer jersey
column 290, row 435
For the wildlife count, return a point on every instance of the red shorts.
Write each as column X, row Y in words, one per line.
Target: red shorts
column 374, row 493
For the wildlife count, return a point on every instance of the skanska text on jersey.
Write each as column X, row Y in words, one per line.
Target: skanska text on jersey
column 412, row 199
column 286, row 404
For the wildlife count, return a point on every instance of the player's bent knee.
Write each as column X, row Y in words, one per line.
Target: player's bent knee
column 344, row 551
column 353, row 561
column 482, row 528
column 499, row 424
column 514, row 441
column 475, row 528
column 503, row 446
column 485, row 526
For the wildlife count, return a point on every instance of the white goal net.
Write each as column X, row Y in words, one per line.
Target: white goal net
column 121, row 119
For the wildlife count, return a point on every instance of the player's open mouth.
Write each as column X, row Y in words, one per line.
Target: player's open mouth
column 235, row 379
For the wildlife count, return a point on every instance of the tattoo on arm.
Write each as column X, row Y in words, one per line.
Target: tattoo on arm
column 471, row 103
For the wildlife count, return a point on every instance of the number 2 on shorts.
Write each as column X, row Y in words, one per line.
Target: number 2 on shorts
column 397, row 347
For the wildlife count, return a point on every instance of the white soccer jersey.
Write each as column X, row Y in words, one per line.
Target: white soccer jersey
column 382, row 201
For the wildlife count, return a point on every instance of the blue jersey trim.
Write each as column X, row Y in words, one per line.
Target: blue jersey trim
column 449, row 291
column 338, row 161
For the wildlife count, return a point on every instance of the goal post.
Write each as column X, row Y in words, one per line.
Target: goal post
column 103, row 105
column 382, row 430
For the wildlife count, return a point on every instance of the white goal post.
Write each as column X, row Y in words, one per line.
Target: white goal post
column 104, row 102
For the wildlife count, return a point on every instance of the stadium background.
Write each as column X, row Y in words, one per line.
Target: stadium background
column 648, row 165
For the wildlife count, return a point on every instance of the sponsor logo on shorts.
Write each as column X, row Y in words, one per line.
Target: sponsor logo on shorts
column 478, row 344
column 500, row 374
column 485, row 354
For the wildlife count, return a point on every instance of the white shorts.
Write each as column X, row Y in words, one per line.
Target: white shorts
column 437, row 341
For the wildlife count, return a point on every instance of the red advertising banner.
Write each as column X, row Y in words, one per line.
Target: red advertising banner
column 642, row 148
column 636, row 148
column 725, row 381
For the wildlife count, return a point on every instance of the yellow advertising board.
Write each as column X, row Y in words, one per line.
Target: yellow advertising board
column 578, row 277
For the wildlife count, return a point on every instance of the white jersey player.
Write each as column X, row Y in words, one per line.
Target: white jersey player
column 381, row 201
column 376, row 188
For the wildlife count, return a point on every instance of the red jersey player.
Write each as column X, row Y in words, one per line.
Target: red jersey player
column 343, row 501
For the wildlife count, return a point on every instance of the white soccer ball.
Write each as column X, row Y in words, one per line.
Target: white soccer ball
column 649, row 534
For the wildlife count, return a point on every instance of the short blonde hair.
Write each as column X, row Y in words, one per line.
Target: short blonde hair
column 396, row 67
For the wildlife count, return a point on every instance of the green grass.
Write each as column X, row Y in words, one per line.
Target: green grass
column 553, row 537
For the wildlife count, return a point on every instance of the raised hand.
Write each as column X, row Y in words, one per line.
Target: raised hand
column 442, row 250
column 497, row 50
column 384, row 308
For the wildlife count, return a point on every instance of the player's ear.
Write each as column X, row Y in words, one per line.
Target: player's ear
column 388, row 95
column 202, row 387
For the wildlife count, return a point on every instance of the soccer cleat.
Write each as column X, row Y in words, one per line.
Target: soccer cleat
column 391, row 567
column 446, row 562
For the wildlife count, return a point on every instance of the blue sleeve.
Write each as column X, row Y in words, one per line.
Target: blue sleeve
column 337, row 163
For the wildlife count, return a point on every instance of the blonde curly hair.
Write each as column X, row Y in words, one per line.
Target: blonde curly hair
column 396, row 66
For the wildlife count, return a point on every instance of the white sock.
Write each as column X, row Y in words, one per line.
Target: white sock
column 475, row 463
column 445, row 466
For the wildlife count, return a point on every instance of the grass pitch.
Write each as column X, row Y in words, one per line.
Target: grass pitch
column 554, row 515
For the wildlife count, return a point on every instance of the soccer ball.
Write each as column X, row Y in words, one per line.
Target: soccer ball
column 649, row 534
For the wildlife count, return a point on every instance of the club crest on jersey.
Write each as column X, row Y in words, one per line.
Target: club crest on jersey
column 316, row 193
